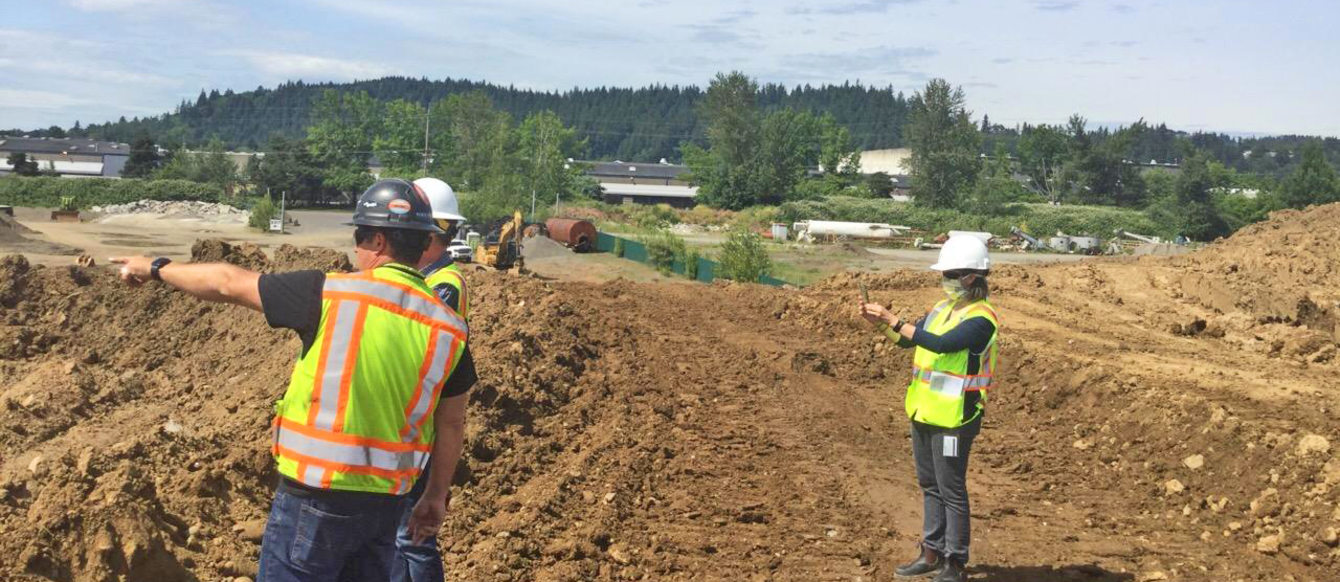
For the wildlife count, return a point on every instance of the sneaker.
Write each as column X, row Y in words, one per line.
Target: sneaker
column 926, row 564
column 951, row 572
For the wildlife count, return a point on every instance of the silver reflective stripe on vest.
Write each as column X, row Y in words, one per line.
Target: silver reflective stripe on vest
column 348, row 454
column 949, row 384
column 311, row 476
column 428, row 308
column 437, row 371
column 341, row 349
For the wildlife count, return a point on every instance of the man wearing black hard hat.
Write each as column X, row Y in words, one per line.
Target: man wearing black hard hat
column 357, row 423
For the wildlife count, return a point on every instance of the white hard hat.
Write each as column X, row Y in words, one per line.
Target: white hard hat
column 963, row 252
column 441, row 197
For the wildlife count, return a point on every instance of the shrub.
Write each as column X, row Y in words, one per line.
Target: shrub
column 663, row 249
column 658, row 216
column 47, row 192
column 742, row 257
column 756, row 217
column 691, row 264
column 261, row 212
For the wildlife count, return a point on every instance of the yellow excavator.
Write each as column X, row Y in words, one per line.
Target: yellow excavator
column 504, row 250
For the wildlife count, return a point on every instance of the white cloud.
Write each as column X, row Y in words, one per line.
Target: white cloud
column 310, row 67
column 23, row 99
column 53, row 57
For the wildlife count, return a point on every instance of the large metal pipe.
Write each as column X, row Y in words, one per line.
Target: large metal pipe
column 578, row 235
column 817, row 228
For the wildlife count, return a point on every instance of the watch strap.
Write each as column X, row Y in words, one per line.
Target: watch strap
column 156, row 265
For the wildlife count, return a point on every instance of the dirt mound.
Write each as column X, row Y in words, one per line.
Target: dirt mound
column 1285, row 268
column 286, row 257
column 543, row 247
column 12, row 230
column 147, row 411
column 625, row 431
column 15, row 237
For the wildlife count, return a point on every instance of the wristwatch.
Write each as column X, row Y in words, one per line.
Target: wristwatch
column 156, row 265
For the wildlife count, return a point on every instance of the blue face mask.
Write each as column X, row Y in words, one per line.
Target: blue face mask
column 953, row 289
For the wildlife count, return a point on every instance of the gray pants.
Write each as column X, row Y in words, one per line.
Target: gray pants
column 942, row 468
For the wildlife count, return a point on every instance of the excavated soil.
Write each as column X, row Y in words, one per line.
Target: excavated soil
column 1157, row 419
column 14, row 235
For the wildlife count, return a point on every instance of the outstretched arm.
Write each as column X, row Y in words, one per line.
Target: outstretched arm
column 217, row 282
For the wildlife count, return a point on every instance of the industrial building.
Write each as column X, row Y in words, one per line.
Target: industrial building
column 637, row 183
column 67, row 157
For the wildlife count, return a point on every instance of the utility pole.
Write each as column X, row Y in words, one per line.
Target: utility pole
column 426, row 118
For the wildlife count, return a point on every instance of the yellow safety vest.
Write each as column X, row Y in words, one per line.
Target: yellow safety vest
column 940, row 382
column 451, row 275
column 357, row 415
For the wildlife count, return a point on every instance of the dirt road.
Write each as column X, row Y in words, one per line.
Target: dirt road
column 1158, row 419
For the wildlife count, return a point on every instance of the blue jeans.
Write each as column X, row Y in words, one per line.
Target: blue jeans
column 421, row 562
column 329, row 536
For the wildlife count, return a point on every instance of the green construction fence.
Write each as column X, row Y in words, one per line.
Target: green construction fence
column 636, row 251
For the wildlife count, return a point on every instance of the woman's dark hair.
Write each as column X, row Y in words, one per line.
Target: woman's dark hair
column 407, row 245
column 974, row 282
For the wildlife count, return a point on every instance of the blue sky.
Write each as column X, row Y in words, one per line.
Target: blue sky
column 1233, row 66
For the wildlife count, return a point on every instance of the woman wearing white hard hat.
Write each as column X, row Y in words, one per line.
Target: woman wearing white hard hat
column 953, row 367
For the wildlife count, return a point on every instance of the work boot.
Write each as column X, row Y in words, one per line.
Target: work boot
column 951, row 572
column 926, row 564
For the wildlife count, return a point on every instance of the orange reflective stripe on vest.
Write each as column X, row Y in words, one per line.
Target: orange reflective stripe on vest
column 357, row 412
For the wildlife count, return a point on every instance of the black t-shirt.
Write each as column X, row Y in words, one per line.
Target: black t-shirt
column 293, row 301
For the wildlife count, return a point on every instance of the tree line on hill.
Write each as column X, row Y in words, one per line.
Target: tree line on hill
column 758, row 157
column 746, row 145
column 643, row 124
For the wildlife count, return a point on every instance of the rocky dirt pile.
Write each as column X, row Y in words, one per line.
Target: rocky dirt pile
column 1286, row 268
column 181, row 210
column 627, row 431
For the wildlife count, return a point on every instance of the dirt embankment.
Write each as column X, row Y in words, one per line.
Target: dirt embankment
column 1142, row 430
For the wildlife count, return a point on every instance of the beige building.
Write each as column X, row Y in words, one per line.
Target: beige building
column 891, row 161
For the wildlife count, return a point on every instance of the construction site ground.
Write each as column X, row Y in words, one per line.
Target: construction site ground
column 1155, row 419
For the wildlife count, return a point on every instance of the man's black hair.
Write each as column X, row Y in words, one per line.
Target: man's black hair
column 407, row 245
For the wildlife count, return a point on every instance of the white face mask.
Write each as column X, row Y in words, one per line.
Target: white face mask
column 953, row 289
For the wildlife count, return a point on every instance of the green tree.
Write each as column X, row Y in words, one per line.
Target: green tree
column 753, row 158
column 995, row 188
column 879, row 184
column 743, row 258
column 287, row 167
column 725, row 171
column 474, row 142
column 1314, row 181
column 399, row 145
column 544, row 147
column 944, row 140
column 22, row 165
column 1042, row 153
column 1194, row 199
column 143, row 158
column 343, row 127
column 730, row 111
column 789, row 144
column 215, row 167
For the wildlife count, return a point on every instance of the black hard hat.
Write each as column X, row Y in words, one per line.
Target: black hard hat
column 395, row 203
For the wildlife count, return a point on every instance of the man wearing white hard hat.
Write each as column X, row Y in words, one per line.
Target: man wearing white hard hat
column 953, row 368
column 418, row 558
